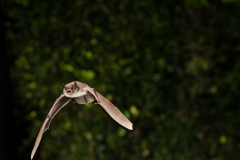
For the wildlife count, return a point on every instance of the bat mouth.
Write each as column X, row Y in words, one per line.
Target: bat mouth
column 69, row 92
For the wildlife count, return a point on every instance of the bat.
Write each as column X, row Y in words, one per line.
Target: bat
column 80, row 93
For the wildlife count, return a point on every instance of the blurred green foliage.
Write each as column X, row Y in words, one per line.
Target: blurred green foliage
column 172, row 67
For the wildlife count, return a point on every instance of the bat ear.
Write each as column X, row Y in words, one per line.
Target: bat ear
column 74, row 86
column 63, row 85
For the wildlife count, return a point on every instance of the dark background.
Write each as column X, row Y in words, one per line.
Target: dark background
column 172, row 67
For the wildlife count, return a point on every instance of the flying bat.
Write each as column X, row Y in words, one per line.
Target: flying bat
column 80, row 93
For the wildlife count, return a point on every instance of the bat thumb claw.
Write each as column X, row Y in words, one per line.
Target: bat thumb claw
column 98, row 102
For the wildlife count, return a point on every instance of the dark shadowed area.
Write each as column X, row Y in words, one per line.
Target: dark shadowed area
column 172, row 67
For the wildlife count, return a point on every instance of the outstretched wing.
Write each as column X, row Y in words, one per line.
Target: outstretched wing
column 112, row 110
column 59, row 103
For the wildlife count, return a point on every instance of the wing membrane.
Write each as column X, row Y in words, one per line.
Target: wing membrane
column 111, row 109
column 57, row 106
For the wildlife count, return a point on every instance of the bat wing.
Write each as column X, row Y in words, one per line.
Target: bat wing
column 112, row 110
column 59, row 103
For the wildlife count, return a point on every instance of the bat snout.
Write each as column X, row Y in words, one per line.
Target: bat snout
column 69, row 92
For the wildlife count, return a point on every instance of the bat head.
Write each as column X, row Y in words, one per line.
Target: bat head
column 70, row 88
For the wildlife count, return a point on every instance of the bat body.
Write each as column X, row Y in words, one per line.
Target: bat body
column 81, row 93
